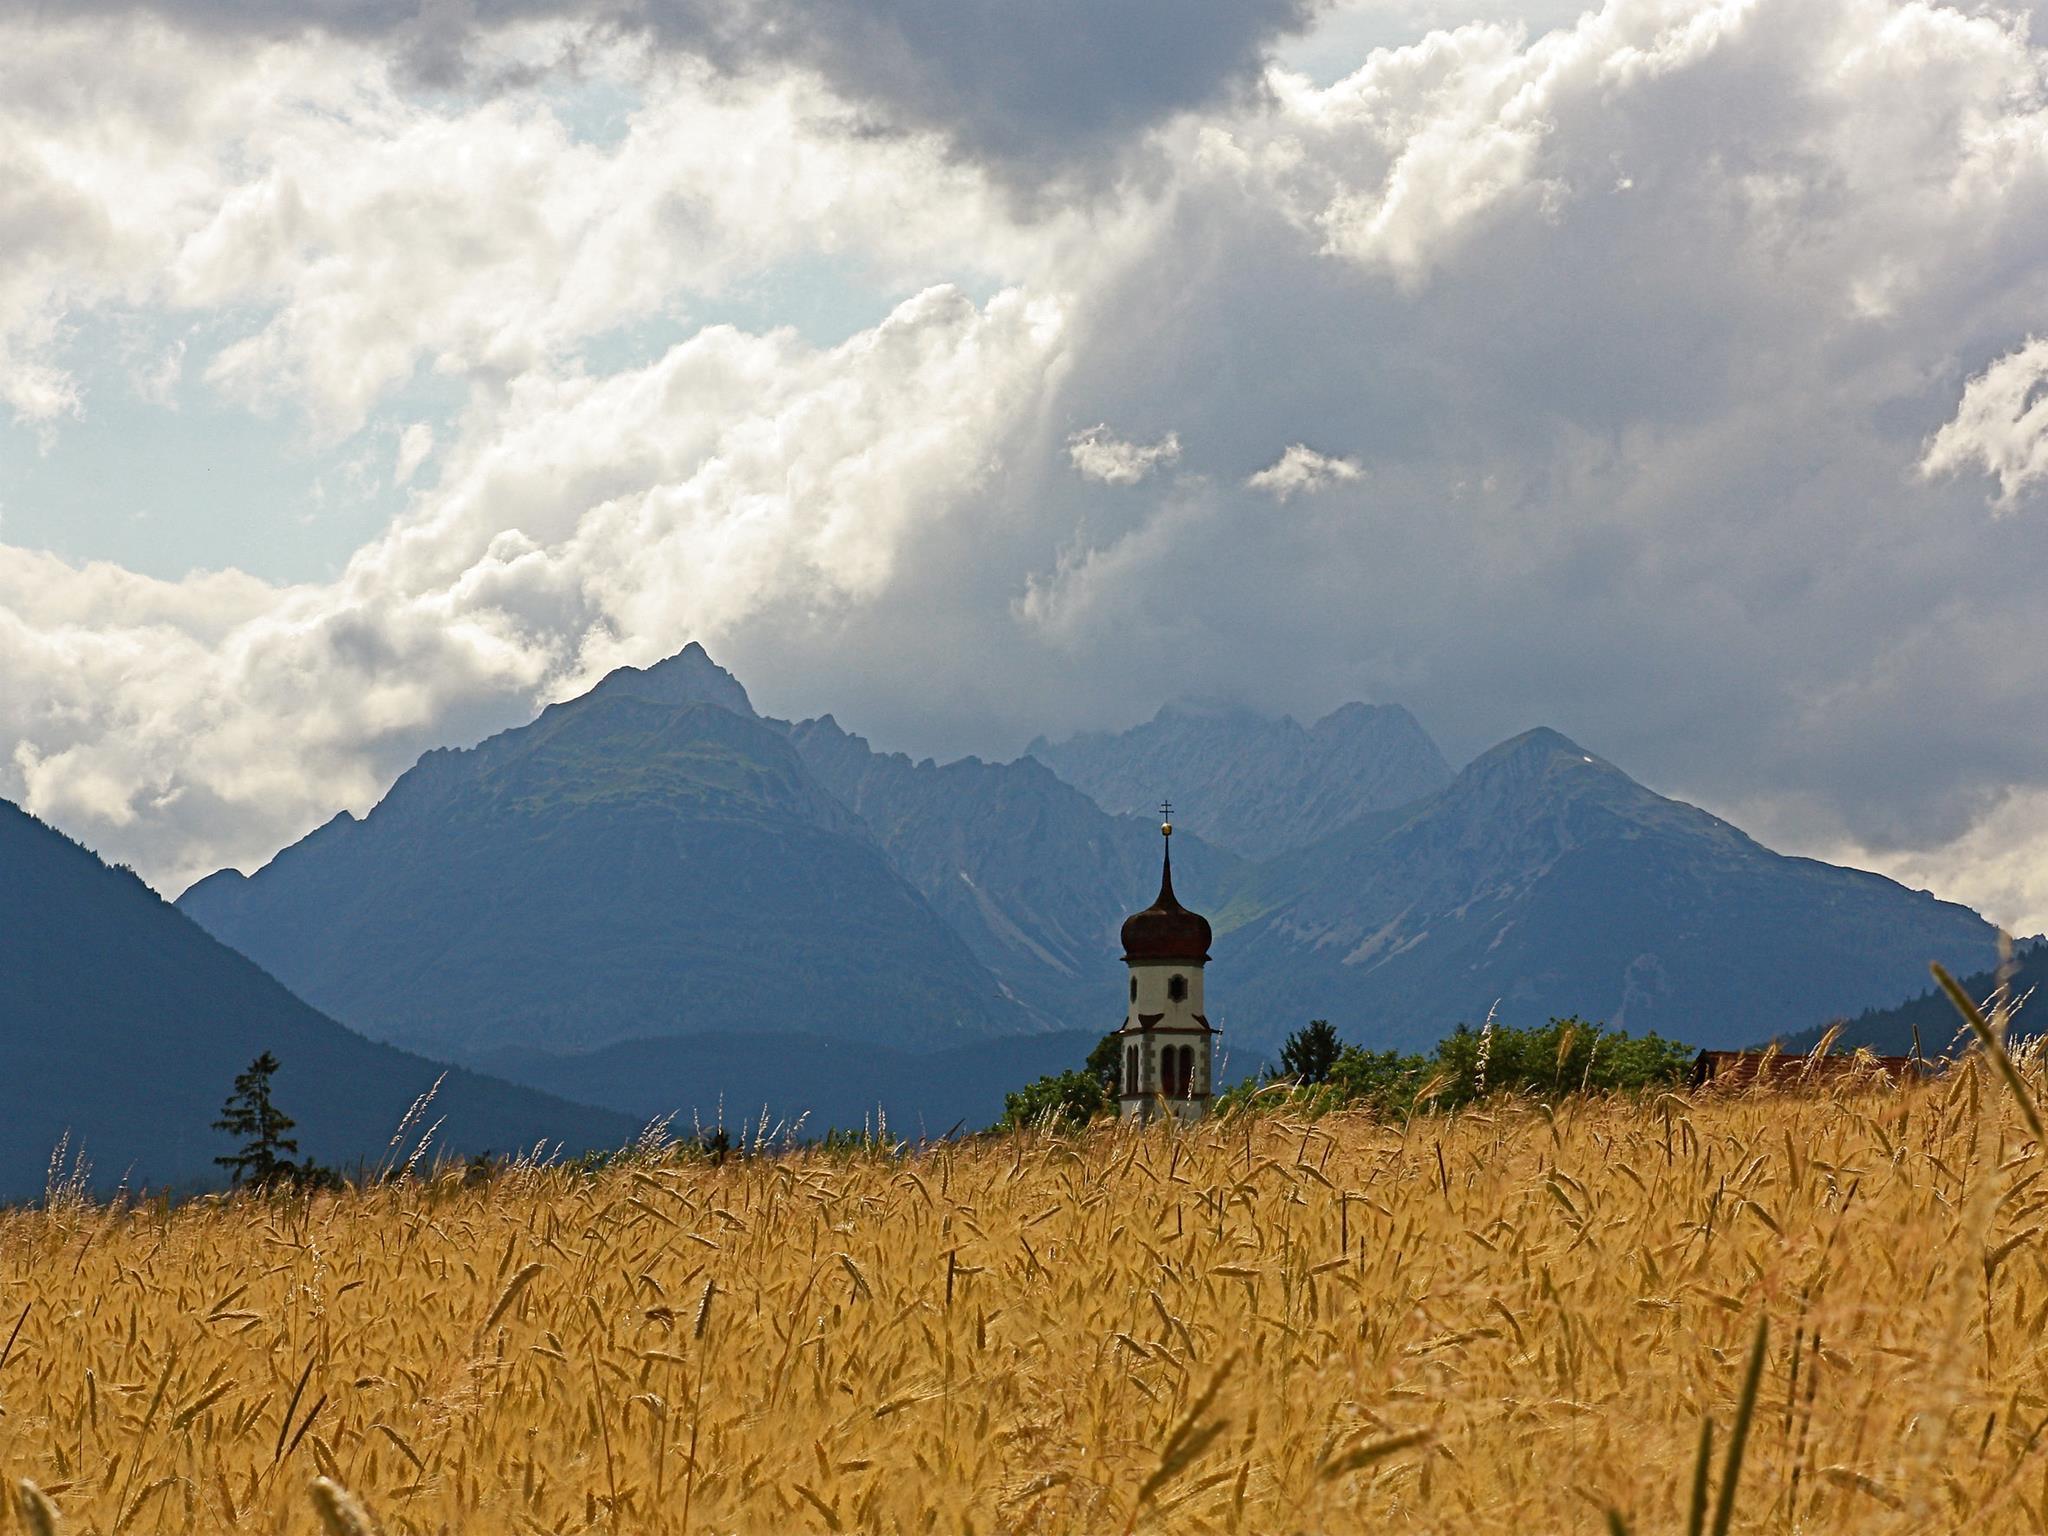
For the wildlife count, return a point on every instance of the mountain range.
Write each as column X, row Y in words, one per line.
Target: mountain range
column 654, row 899
column 1255, row 785
column 579, row 899
column 123, row 1024
column 1545, row 879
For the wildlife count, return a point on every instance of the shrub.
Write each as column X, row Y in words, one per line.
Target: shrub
column 1066, row 1102
column 1563, row 1056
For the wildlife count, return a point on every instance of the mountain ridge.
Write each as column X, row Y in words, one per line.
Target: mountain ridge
column 1927, row 1023
column 733, row 1079
column 1028, row 869
column 1256, row 785
column 123, row 1025
column 542, row 887
column 1595, row 896
column 1540, row 876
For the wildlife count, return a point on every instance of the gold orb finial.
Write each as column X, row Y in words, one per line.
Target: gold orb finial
column 1166, row 818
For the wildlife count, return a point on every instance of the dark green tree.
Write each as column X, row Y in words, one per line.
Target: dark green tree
column 1106, row 1061
column 1310, row 1053
column 251, row 1115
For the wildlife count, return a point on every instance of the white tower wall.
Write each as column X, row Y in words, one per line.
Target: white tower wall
column 1157, row 1021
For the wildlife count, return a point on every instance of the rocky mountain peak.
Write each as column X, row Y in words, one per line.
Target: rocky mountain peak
column 688, row 677
column 1532, row 754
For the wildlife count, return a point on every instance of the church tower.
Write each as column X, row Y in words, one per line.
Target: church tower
column 1166, row 1038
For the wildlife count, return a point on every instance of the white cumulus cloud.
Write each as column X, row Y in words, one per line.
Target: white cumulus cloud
column 1303, row 471
column 2001, row 425
column 1113, row 461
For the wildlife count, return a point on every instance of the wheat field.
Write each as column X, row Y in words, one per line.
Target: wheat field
column 1515, row 1319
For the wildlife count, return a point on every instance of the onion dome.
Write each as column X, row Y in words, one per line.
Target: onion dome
column 1166, row 930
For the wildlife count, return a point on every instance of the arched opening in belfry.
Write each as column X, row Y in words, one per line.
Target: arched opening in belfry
column 1130, row 1084
column 1187, row 1071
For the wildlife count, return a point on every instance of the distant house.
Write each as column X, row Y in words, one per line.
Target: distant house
column 1728, row 1071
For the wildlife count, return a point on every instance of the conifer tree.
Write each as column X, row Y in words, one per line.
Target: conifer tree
column 250, row 1114
column 1310, row 1053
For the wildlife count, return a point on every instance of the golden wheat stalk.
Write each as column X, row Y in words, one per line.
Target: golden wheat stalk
column 340, row 1511
column 1994, row 1047
column 38, row 1514
column 510, row 1294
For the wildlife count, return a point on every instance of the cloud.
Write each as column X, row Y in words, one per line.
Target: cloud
column 157, row 380
column 1674, row 337
column 35, row 391
column 592, row 523
column 361, row 233
column 1302, row 471
column 1031, row 89
column 414, row 444
column 1647, row 464
column 2001, row 425
column 1098, row 456
column 2002, row 858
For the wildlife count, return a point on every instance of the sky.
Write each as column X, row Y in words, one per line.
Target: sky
column 1671, row 373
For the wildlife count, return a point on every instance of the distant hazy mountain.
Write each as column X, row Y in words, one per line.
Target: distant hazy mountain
column 1552, row 881
column 1928, row 1021
column 731, row 1079
column 650, row 859
column 1255, row 785
column 1033, row 874
column 123, row 1024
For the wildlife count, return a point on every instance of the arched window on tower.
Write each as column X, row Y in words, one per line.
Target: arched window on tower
column 1134, row 989
column 1169, row 1071
column 1177, row 988
column 1130, row 1082
column 1187, row 1071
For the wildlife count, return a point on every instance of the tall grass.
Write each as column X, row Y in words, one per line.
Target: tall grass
column 1513, row 1318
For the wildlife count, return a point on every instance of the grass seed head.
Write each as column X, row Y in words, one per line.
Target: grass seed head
column 38, row 1514
column 341, row 1514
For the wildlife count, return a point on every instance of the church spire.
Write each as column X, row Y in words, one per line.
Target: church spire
column 1166, row 930
column 1166, row 899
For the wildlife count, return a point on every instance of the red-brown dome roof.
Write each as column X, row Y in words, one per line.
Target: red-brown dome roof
column 1166, row 930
